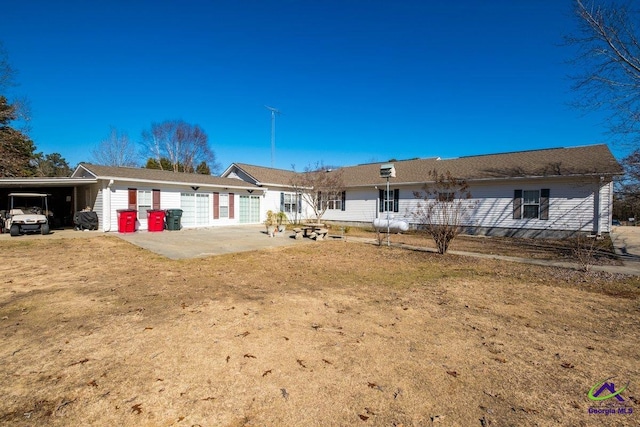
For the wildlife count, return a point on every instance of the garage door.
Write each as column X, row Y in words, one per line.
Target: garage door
column 195, row 209
column 249, row 209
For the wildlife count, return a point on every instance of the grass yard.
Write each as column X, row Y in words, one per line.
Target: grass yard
column 98, row 332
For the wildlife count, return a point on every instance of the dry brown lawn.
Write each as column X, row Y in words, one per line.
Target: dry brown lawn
column 98, row 332
column 541, row 249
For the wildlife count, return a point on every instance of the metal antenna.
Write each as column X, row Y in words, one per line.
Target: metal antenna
column 274, row 111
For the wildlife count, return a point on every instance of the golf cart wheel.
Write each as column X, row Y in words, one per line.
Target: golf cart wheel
column 44, row 229
column 15, row 230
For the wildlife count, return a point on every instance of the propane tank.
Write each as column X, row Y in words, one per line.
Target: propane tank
column 393, row 225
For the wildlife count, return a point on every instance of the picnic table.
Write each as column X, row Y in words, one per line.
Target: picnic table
column 315, row 230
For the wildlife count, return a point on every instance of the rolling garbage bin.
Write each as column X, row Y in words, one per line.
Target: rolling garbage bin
column 127, row 220
column 173, row 217
column 155, row 220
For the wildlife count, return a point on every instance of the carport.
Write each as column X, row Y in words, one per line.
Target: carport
column 66, row 194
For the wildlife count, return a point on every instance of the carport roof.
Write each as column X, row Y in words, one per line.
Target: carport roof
column 31, row 182
column 157, row 176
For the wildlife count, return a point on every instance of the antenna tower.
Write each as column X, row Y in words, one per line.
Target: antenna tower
column 274, row 111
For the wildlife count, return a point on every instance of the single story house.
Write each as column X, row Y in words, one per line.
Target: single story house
column 537, row 193
column 204, row 199
column 549, row 192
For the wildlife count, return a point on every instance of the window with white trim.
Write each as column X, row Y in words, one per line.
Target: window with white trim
column 289, row 202
column 333, row 199
column 224, row 206
column 389, row 202
column 145, row 201
column 530, row 204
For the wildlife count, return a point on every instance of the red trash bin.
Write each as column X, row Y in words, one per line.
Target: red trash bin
column 127, row 220
column 155, row 220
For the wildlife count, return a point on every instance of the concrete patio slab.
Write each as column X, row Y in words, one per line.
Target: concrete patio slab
column 202, row 242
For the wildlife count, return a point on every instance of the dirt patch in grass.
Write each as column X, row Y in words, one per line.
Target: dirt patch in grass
column 98, row 332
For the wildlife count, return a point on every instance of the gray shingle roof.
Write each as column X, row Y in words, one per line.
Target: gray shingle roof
column 143, row 174
column 574, row 161
column 265, row 176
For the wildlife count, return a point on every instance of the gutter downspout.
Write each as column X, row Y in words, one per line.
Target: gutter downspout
column 106, row 209
column 598, row 207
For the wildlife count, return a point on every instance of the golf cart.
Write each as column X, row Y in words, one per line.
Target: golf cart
column 28, row 213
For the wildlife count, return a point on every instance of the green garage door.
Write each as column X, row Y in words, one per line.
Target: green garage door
column 249, row 209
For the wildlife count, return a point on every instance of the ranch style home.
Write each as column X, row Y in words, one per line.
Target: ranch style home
column 539, row 193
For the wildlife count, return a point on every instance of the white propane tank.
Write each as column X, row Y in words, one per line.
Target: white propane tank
column 394, row 225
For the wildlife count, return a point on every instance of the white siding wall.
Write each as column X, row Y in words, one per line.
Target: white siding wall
column 169, row 199
column 361, row 205
column 270, row 202
column 98, row 207
column 606, row 201
column 571, row 205
column 236, row 208
column 119, row 200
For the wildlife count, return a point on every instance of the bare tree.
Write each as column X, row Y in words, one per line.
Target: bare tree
column 20, row 107
column 184, row 145
column 586, row 250
column 116, row 150
column 608, row 43
column 443, row 209
column 319, row 187
column 7, row 73
column 627, row 188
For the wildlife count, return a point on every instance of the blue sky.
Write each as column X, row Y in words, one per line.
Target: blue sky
column 356, row 80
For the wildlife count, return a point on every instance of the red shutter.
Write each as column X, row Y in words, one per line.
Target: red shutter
column 133, row 198
column 216, row 205
column 231, row 206
column 156, row 200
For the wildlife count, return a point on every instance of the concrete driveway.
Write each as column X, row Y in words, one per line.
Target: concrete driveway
column 626, row 241
column 201, row 242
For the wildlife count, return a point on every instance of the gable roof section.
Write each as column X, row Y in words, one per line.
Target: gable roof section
column 264, row 176
column 157, row 176
column 591, row 160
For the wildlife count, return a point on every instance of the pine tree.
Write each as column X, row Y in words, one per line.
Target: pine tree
column 16, row 149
